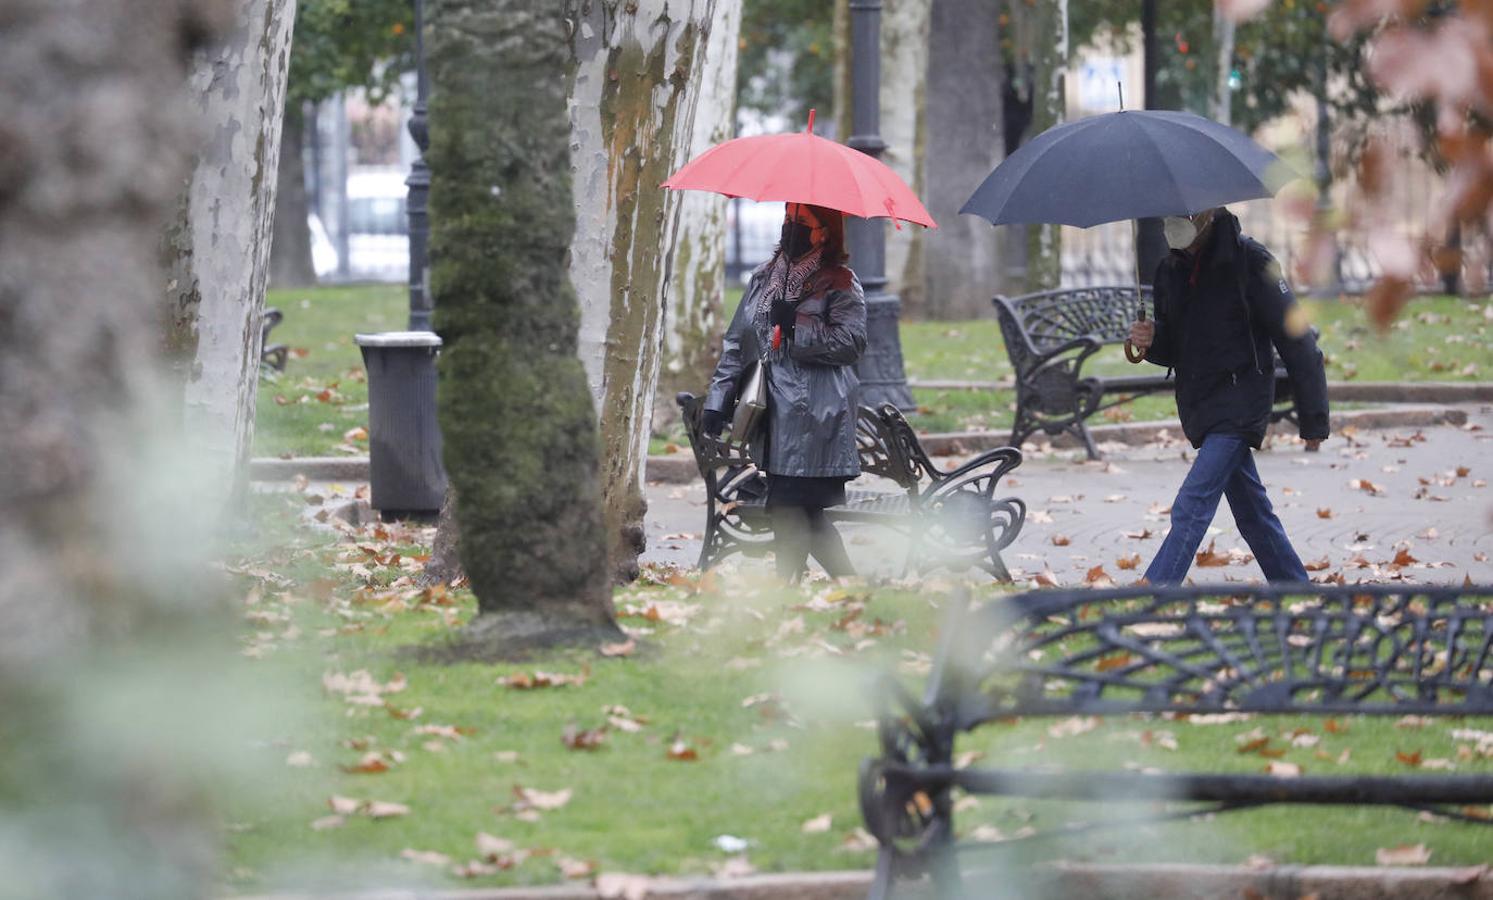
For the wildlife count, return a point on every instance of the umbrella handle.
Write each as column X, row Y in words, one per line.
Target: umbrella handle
column 1131, row 353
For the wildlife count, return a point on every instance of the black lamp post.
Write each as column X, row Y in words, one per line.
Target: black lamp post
column 880, row 369
column 419, row 185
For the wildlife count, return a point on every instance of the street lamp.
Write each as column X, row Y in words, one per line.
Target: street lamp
column 417, row 206
column 880, row 368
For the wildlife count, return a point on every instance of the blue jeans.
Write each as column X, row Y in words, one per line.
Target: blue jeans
column 1224, row 467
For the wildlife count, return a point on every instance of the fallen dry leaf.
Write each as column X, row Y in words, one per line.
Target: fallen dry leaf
column 428, row 857
column 1210, row 558
column 817, row 825
column 545, row 800
column 489, row 846
column 680, row 751
column 344, row 806
column 624, row 648
column 524, row 681
column 325, row 822
column 1283, row 769
column 1097, row 577
column 1318, row 565
column 1403, row 855
column 1128, row 562
column 572, row 868
column 1324, row 512
column 1061, row 540
column 579, row 739
column 383, row 809
column 621, row 886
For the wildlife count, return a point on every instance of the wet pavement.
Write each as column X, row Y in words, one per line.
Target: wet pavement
column 1367, row 496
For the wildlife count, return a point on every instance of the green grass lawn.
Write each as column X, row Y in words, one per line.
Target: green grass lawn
column 760, row 688
column 322, row 395
column 1438, row 339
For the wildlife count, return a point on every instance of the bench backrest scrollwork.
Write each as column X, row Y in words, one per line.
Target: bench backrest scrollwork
column 1051, row 318
column 1279, row 649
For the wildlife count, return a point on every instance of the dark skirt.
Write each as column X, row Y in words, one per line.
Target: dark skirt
column 812, row 493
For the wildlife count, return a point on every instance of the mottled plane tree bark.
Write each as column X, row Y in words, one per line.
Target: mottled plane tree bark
column 904, row 127
column 635, row 77
column 517, row 418
column 100, row 797
column 217, row 250
column 692, row 322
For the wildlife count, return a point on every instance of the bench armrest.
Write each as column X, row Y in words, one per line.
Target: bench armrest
column 1006, row 458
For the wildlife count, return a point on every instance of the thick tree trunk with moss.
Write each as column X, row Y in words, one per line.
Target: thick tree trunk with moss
column 517, row 419
column 904, row 70
column 692, row 323
column 1044, row 255
column 635, row 77
column 965, row 81
column 217, row 251
column 91, row 605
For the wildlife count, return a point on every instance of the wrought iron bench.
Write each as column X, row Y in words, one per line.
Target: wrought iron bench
column 1304, row 649
column 951, row 519
column 1050, row 335
column 272, row 355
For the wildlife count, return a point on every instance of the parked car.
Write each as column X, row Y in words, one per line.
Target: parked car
column 378, row 225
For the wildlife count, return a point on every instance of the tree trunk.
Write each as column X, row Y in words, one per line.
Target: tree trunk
column 841, row 25
column 1223, row 39
column 517, row 419
column 217, row 250
column 966, row 81
column 93, row 602
column 290, row 251
column 904, row 62
column 1044, row 256
column 636, row 68
column 444, row 565
column 692, row 325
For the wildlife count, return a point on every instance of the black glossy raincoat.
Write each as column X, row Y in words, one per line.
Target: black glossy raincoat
column 812, row 387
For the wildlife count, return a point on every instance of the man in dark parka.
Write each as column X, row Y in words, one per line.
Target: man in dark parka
column 1221, row 303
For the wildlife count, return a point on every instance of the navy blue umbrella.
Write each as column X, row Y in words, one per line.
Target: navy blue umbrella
column 1126, row 165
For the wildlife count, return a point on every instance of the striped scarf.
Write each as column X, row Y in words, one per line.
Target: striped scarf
column 785, row 281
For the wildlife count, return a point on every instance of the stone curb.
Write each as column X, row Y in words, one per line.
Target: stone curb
column 1341, row 391
column 315, row 468
column 1114, row 882
column 679, row 468
column 1133, row 433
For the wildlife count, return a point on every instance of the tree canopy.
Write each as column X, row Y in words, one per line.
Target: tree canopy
column 342, row 44
column 1276, row 54
column 787, row 58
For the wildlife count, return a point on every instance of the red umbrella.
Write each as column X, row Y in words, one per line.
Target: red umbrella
column 802, row 168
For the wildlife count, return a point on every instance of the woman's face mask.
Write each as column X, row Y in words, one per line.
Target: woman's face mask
column 1180, row 232
column 798, row 237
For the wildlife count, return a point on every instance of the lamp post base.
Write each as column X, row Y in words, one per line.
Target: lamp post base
column 883, row 379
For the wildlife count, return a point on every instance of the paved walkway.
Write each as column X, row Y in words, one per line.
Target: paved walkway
column 1356, row 504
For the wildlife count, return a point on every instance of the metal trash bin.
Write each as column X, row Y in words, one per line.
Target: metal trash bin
column 404, row 439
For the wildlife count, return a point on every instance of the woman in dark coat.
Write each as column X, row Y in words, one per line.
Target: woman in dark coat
column 804, row 316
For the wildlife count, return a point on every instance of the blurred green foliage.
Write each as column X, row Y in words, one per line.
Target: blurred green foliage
column 1276, row 54
column 341, row 44
column 787, row 60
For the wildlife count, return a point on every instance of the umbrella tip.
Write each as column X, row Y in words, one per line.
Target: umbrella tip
column 810, row 129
